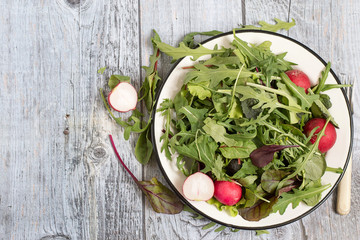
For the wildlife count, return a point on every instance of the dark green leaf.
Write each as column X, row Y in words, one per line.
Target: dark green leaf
column 114, row 80
column 144, row 147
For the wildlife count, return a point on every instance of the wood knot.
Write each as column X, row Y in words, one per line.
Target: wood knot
column 56, row 237
column 98, row 152
column 73, row 2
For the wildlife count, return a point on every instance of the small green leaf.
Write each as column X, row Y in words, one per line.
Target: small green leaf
column 101, row 70
column 279, row 25
column 114, row 80
column 261, row 232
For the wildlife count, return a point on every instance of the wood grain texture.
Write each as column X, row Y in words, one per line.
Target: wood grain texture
column 59, row 178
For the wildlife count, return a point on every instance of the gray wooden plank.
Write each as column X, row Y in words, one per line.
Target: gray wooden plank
column 109, row 37
column 40, row 51
column 61, row 178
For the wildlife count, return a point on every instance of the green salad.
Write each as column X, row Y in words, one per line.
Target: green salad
column 240, row 117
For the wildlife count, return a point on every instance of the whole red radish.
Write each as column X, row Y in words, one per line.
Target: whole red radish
column 299, row 78
column 228, row 193
column 198, row 187
column 123, row 97
column 329, row 138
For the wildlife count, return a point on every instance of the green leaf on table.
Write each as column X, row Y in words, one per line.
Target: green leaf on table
column 261, row 232
column 183, row 51
column 160, row 197
column 148, row 88
column 144, row 147
column 101, row 70
column 296, row 197
column 189, row 38
column 279, row 25
column 114, row 80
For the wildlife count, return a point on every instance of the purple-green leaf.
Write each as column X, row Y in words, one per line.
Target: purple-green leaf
column 264, row 155
column 258, row 211
column 160, row 197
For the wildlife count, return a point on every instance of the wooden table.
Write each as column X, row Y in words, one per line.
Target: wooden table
column 59, row 178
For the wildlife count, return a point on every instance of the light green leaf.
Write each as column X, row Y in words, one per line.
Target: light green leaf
column 101, row 70
column 183, row 51
column 199, row 91
column 217, row 132
column 279, row 25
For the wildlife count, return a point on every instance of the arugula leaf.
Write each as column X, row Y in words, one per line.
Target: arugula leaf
column 188, row 40
column 261, row 232
column 296, row 197
column 165, row 108
column 324, row 111
column 213, row 76
column 183, row 50
column 279, row 25
column 217, row 132
column 195, row 116
column 101, row 70
column 322, row 80
column 199, row 90
column 305, row 99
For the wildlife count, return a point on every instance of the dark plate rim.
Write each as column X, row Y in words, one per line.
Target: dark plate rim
column 185, row 201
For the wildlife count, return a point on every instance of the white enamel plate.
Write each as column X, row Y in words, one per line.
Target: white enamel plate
column 307, row 61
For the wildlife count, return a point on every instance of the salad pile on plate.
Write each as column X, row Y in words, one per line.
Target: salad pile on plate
column 248, row 130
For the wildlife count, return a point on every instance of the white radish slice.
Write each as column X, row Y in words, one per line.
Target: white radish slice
column 198, row 187
column 123, row 97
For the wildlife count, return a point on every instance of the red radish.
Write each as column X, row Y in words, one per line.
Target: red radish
column 299, row 78
column 228, row 193
column 198, row 187
column 123, row 97
column 326, row 141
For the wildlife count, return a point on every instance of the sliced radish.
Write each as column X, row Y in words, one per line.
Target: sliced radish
column 198, row 187
column 123, row 97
